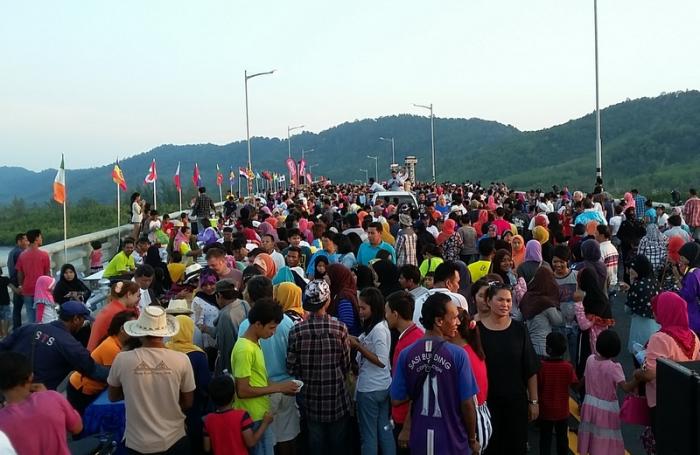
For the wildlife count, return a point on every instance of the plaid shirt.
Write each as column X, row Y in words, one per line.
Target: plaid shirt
column 691, row 212
column 406, row 248
column 610, row 258
column 203, row 207
column 639, row 208
column 319, row 354
column 656, row 251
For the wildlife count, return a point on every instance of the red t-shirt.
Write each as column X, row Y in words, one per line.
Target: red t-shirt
column 479, row 370
column 553, row 381
column 33, row 263
column 225, row 429
column 412, row 334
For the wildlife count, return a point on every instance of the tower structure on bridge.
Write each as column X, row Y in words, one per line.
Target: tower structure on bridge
column 410, row 163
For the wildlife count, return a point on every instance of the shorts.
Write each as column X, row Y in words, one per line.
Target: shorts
column 5, row 312
column 285, row 427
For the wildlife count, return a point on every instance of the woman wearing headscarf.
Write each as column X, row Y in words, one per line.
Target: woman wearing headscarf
column 162, row 281
column 670, row 275
column 592, row 259
column 541, row 234
column 690, row 284
column 450, row 241
column 70, row 287
column 266, row 228
column 630, row 233
column 344, row 304
column 205, row 312
column 320, row 268
column 629, row 201
column 540, row 309
column 266, row 264
column 642, row 290
column 182, row 342
column 306, row 233
column 388, row 277
column 287, row 275
column 365, row 277
column 482, row 219
column 593, row 314
column 386, row 234
column 654, row 245
column 517, row 246
column 46, row 308
column 532, row 262
column 288, row 295
column 674, row 341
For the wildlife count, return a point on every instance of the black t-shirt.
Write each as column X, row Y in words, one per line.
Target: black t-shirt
column 4, row 293
column 510, row 361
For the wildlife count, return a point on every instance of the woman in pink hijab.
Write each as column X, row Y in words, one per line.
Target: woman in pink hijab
column 629, row 201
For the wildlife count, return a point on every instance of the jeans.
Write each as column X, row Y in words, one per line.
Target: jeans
column 373, row 409
column 329, row 437
column 561, row 428
column 28, row 303
column 17, row 301
column 266, row 444
column 572, row 343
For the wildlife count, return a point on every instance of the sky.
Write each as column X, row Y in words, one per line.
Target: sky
column 107, row 79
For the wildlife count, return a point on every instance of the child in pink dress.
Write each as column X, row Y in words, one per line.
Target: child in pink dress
column 599, row 432
column 96, row 256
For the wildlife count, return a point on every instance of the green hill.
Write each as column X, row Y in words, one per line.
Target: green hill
column 649, row 143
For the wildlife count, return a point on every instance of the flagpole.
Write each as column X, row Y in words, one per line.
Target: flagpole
column 179, row 193
column 119, row 217
column 155, row 196
column 239, row 184
column 221, row 196
column 65, row 222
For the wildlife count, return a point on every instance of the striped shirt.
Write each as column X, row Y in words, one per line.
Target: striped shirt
column 610, row 258
column 406, row 248
column 691, row 212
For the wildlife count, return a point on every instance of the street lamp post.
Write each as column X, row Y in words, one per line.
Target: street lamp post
column 376, row 167
column 247, row 121
column 393, row 154
column 305, row 151
column 366, row 174
column 598, row 144
column 289, row 138
column 432, row 132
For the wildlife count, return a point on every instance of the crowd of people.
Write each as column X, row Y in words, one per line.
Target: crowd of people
column 318, row 320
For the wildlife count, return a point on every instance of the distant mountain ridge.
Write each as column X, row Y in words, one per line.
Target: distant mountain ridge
column 650, row 143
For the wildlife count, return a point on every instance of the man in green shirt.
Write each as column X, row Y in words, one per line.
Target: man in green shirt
column 122, row 264
column 250, row 373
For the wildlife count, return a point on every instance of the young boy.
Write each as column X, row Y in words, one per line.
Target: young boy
column 30, row 406
column 229, row 431
column 250, row 374
column 480, row 268
column 294, row 237
column 567, row 281
column 554, row 378
column 429, row 280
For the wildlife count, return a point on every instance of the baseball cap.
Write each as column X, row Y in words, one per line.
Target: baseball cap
column 316, row 295
column 75, row 308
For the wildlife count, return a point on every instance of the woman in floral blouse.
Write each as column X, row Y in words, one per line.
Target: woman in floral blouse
column 641, row 290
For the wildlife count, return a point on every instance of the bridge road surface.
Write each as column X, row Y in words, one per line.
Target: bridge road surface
column 630, row 433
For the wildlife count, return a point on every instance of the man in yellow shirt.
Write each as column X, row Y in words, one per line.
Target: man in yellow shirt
column 481, row 268
column 122, row 264
column 250, row 374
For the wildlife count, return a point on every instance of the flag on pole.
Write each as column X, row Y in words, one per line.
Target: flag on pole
column 219, row 176
column 152, row 175
column 257, row 176
column 118, row 176
column 243, row 172
column 176, row 178
column 59, row 184
column 231, row 175
column 196, row 178
column 282, row 178
column 251, row 174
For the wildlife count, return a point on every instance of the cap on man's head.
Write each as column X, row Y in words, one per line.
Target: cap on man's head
column 74, row 308
column 225, row 286
column 316, row 295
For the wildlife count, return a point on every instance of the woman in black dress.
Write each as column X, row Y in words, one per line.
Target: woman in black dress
column 512, row 367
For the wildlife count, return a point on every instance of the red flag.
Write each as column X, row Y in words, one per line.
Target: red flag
column 243, row 172
column 176, row 178
column 219, row 176
column 118, row 177
column 309, row 180
column 292, row 168
column 196, row 178
column 302, row 168
column 152, row 175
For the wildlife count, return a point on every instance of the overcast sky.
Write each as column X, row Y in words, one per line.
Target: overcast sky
column 98, row 80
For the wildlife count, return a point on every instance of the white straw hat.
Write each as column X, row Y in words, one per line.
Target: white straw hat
column 178, row 306
column 153, row 321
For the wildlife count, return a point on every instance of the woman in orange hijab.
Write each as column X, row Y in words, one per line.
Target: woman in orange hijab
column 670, row 276
column 266, row 264
column 518, row 248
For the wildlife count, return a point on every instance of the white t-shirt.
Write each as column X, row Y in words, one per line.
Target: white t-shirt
column 152, row 379
column 457, row 299
column 371, row 378
column 615, row 223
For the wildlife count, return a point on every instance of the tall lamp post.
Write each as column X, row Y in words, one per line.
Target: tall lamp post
column 393, row 155
column 376, row 167
column 306, row 151
column 247, row 121
column 289, row 137
column 598, row 145
column 432, row 132
column 366, row 174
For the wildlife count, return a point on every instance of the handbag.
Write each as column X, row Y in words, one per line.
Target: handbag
column 635, row 410
column 484, row 429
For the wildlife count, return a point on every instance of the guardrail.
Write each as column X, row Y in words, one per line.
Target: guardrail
column 78, row 248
